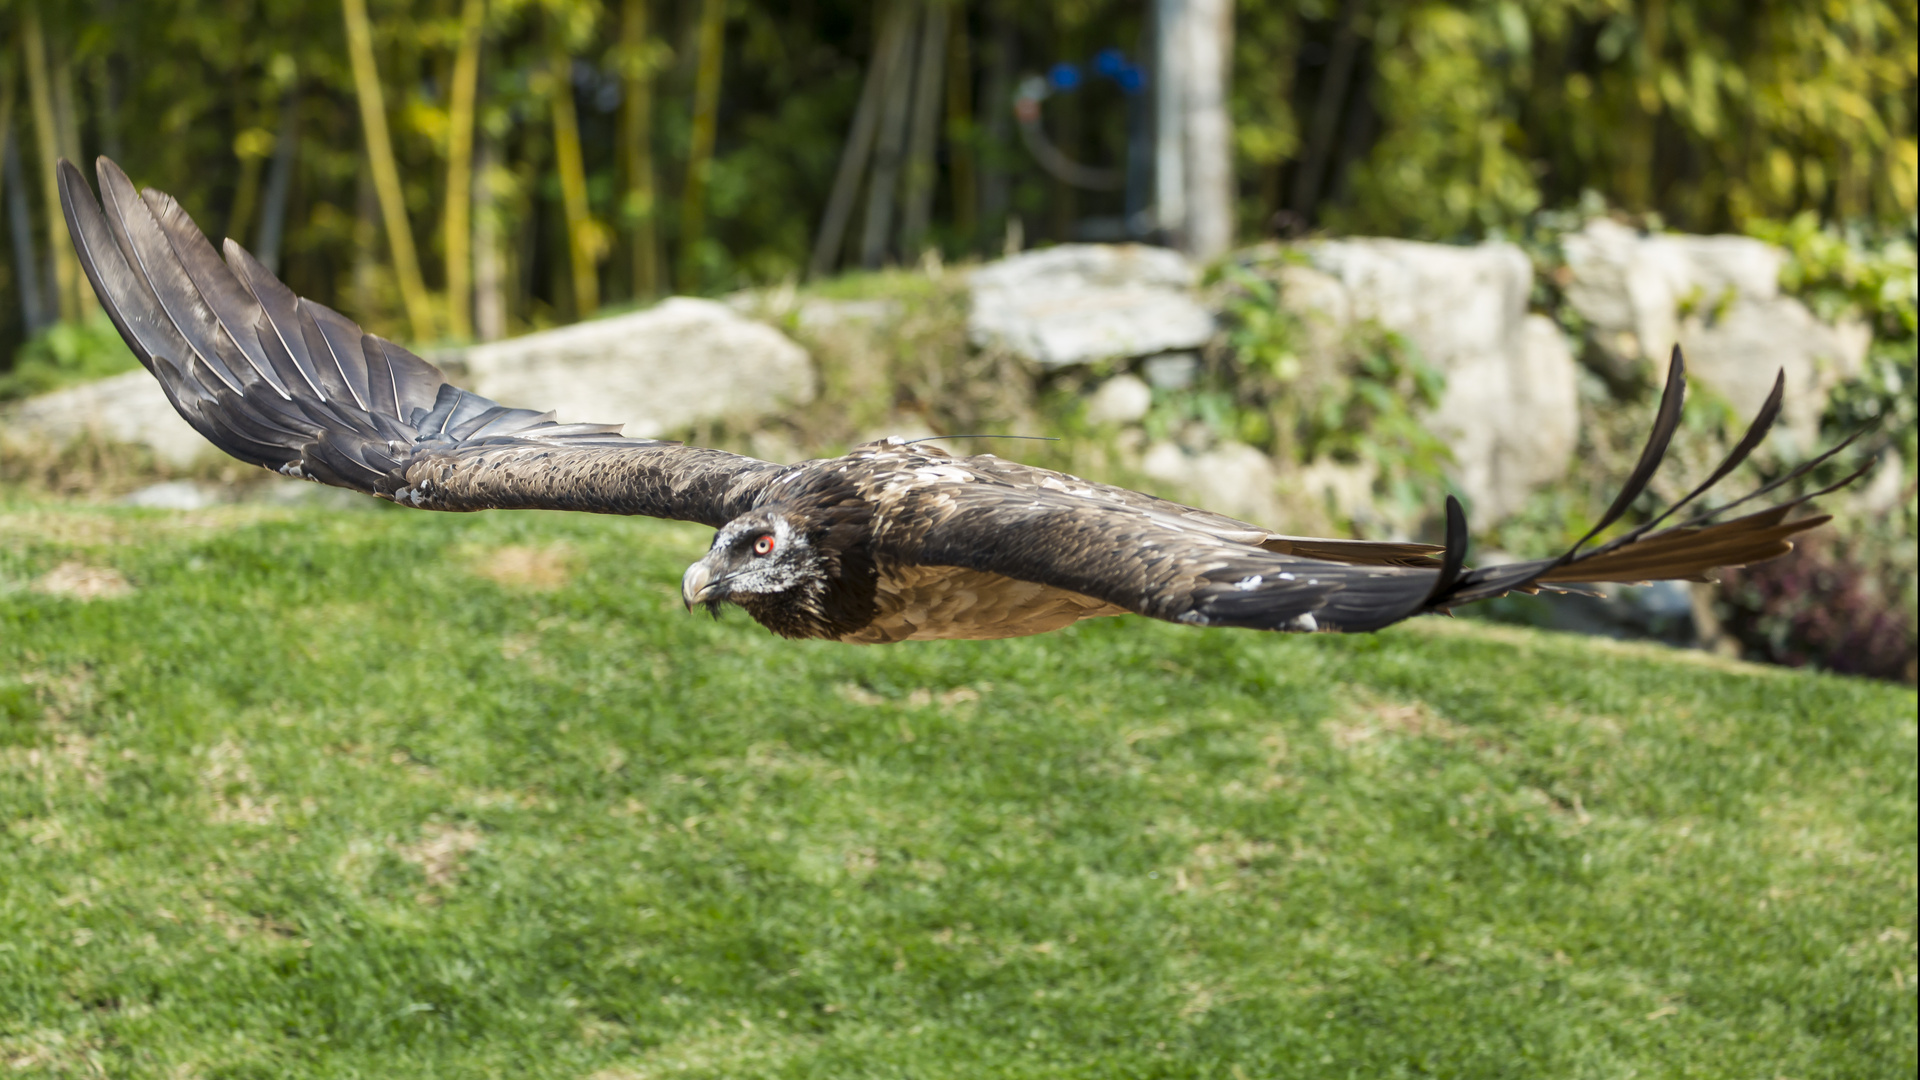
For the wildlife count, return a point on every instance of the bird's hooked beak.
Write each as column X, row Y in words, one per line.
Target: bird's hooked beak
column 698, row 587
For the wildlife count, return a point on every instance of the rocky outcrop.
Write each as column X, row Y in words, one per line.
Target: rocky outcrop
column 1510, row 413
column 1719, row 298
column 1084, row 303
column 680, row 363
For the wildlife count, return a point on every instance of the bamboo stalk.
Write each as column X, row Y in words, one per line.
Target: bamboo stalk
column 26, row 263
column 923, row 134
column 489, row 275
column 960, row 123
column 636, row 134
column 459, row 218
column 39, row 88
column 584, row 244
column 252, row 150
column 890, row 44
column 386, row 176
column 706, row 107
column 273, row 211
column 882, row 187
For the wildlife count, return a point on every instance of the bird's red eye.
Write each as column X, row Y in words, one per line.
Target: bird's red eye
column 763, row 545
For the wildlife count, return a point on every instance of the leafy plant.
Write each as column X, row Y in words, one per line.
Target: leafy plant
column 1361, row 403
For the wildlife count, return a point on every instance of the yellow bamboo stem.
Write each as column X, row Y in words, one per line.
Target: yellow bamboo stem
column 459, row 220
column 636, row 131
column 66, row 116
column 386, row 176
column 66, row 272
column 706, row 107
column 584, row 243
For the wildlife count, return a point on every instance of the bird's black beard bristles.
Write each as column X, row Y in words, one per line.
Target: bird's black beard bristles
column 713, row 608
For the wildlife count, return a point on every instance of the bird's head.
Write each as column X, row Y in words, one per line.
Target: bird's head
column 759, row 560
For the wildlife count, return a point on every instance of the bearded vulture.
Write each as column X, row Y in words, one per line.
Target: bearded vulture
column 893, row 541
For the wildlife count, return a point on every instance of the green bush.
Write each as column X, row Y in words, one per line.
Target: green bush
column 65, row 354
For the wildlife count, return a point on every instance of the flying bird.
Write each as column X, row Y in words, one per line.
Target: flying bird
column 893, row 541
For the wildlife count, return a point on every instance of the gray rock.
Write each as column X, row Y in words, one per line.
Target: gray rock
column 173, row 495
column 129, row 409
column 1231, row 478
column 1081, row 303
column 1171, row 371
column 682, row 362
column 1510, row 413
column 1123, row 399
column 1719, row 298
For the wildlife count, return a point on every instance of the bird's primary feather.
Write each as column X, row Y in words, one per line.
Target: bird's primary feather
column 892, row 541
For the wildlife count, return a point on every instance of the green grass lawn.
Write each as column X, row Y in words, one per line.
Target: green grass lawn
column 389, row 794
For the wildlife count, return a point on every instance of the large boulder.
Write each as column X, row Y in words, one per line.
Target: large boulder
column 129, row 409
column 1083, row 303
column 679, row 363
column 1510, row 413
column 1718, row 297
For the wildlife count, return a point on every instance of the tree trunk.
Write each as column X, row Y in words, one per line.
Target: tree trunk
column 923, row 134
column 273, row 209
column 459, row 219
column 706, row 108
column 584, row 243
column 386, row 175
column 885, row 181
column 636, row 135
column 66, row 272
column 890, row 44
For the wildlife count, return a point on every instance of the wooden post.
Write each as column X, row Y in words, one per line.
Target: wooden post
column 458, row 224
column 1193, row 142
column 386, row 176
column 706, row 109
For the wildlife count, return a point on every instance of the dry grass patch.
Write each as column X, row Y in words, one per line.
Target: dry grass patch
column 519, row 566
column 76, row 580
column 440, row 853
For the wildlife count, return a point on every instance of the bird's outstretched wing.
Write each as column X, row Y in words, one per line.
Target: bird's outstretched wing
column 291, row 385
column 1168, row 565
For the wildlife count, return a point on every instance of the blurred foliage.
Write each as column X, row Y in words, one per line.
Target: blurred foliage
column 64, row 354
column 1711, row 113
column 1869, row 275
column 1434, row 119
